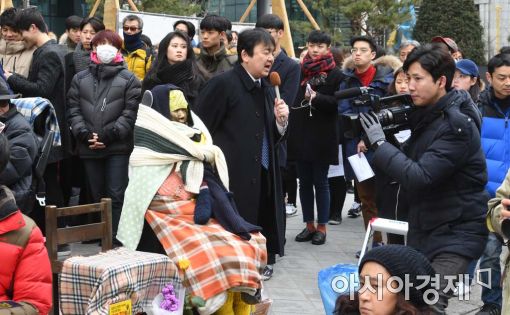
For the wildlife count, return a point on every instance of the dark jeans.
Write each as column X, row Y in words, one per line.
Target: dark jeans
column 448, row 264
column 314, row 175
column 491, row 260
column 108, row 177
column 337, row 192
column 289, row 182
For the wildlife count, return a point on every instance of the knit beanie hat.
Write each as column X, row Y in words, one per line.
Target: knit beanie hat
column 177, row 100
column 399, row 261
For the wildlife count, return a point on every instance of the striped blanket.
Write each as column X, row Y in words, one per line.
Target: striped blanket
column 218, row 260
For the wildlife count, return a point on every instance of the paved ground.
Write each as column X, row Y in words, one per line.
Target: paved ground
column 294, row 288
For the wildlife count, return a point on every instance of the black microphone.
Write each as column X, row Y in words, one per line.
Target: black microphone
column 352, row 92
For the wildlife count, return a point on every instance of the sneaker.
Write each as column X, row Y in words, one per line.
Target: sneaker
column 63, row 250
column 335, row 219
column 291, row 209
column 355, row 210
column 267, row 273
column 489, row 309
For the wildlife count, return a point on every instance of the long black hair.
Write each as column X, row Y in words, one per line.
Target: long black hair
column 198, row 73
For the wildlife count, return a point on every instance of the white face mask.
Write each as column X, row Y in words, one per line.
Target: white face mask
column 106, row 53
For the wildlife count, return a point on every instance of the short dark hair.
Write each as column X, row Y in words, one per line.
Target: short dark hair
column 497, row 61
column 73, row 21
column 248, row 39
column 8, row 18
column 215, row 22
column 26, row 17
column 133, row 17
column 435, row 59
column 189, row 25
column 146, row 40
column 268, row 21
column 107, row 36
column 319, row 37
column 368, row 39
column 505, row 50
column 95, row 22
column 4, row 152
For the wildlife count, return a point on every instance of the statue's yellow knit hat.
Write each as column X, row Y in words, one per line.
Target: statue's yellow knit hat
column 177, row 100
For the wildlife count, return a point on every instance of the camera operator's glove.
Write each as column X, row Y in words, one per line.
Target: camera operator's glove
column 372, row 128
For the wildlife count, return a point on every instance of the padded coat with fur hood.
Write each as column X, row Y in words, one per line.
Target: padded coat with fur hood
column 385, row 66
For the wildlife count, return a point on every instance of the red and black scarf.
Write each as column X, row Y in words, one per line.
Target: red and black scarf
column 320, row 65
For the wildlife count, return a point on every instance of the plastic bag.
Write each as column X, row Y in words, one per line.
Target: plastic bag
column 180, row 293
column 335, row 281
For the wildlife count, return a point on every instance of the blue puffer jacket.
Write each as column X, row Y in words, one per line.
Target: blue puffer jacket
column 495, row 139
column 383, row 77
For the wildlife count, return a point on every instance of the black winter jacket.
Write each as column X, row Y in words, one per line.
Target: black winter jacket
column 23, row 144
column 442, row 176
column 46, row 79
column 314, row 138
column 104, row 100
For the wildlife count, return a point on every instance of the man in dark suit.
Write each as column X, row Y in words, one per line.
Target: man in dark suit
column 289, row 72
column 248, row 123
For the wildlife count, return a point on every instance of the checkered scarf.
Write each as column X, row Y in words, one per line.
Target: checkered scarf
column 32, row 107
column 320, row 65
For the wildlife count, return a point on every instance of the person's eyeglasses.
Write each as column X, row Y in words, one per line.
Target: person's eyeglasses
column 361, row 50
column 130, row 28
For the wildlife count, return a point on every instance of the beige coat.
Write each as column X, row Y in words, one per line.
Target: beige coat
column 494, row 225
column 15, row 57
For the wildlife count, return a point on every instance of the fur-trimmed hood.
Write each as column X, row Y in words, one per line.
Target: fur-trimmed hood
column 386, row 61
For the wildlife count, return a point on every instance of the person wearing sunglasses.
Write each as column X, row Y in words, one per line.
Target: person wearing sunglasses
column 137, row 55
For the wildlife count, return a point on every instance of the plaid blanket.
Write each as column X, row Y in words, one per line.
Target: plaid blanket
column 31, row 107
column 88, row 285
column 218, row 259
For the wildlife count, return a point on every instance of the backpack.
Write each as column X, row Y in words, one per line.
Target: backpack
column 38, row 112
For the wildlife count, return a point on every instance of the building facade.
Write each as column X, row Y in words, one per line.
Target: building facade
column 495, row 17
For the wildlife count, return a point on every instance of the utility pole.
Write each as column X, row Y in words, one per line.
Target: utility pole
column 263, row 7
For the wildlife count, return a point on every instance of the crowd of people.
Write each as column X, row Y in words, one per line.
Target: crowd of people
column 227, row 145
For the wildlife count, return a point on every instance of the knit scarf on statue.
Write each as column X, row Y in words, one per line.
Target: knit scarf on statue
column 176, row 73
column 315, row 70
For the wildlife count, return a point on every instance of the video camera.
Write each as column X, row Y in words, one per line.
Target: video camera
column 392, row 111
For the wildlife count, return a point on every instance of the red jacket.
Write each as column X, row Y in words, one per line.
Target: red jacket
column 25, row 270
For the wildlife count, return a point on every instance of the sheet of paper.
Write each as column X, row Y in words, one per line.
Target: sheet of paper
column 403, row 135
column 337, row 170
column 361, row 167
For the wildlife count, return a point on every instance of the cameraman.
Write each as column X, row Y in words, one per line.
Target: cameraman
column 441, row 170
column 499, row 210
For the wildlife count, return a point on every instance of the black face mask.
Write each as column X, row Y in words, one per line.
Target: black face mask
column 133, row 42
